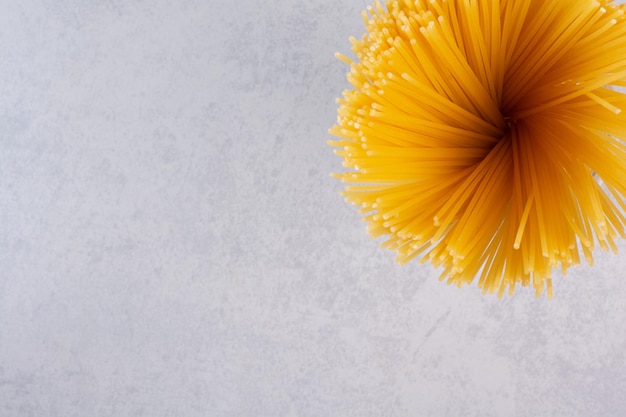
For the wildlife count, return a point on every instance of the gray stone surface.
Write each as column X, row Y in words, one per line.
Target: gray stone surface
column 171, row 243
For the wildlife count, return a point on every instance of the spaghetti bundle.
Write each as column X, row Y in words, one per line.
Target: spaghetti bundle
column 486, row 136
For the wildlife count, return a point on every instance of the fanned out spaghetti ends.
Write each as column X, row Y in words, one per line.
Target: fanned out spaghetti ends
column 487, row 136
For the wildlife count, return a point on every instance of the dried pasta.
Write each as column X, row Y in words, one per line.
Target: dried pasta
column 486, row 136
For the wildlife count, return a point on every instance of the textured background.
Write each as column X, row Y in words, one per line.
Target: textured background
column 171, row 243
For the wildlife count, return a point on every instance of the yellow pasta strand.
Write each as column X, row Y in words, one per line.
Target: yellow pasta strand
column 487, row 136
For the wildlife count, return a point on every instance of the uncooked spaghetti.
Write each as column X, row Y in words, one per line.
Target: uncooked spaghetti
column 486, row 136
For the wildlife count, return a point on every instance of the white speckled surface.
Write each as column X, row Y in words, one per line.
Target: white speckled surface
column 171, row 243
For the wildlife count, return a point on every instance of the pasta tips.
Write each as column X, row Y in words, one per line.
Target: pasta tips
column 487, row 136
